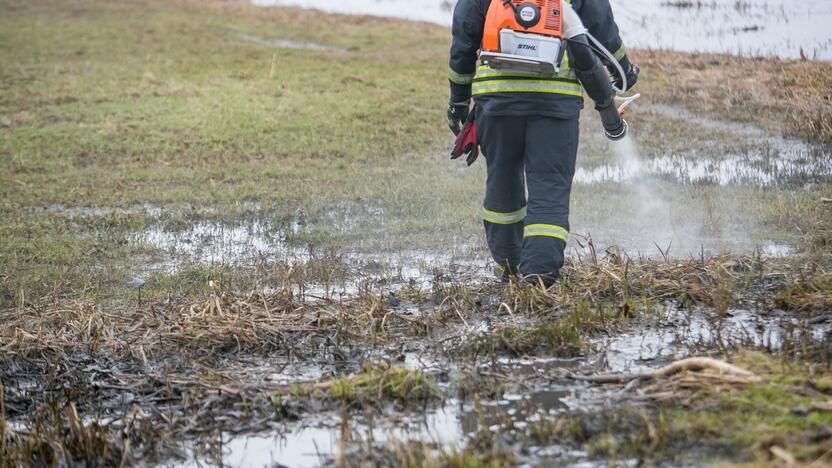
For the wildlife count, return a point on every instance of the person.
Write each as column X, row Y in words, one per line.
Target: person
column 527, row 127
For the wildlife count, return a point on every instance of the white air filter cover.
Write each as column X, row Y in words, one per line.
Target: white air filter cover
column 529, row 45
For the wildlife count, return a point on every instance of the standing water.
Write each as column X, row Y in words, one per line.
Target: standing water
column 778, row 28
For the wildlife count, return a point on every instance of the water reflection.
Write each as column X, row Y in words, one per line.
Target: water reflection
column 751, row 27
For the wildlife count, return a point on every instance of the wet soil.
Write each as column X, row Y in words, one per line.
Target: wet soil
column 248, row 404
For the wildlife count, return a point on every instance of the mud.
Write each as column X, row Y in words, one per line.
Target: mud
column 267, row 398
column 524, row 391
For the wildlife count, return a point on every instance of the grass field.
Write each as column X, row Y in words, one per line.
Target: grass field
column 194, row 194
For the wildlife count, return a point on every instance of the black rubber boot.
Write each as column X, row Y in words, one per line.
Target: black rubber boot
column 547, row 281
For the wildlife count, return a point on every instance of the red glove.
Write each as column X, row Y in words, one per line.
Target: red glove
column 466, row 141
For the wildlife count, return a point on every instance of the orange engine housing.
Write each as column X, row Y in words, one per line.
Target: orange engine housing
column 501, row 16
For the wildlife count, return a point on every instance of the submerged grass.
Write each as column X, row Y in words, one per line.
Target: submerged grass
column 62, row 439
column 564, row 334
column 376, row 383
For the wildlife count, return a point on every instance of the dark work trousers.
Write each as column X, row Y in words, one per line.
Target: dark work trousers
column 539, row 152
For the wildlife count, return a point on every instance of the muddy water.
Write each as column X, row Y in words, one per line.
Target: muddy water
column 318, row 441
column 534, row 389
column 750, row 27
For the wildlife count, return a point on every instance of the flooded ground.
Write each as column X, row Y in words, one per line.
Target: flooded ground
column 530, row 390
column 526, row 392
column 746, row 27
column 215, row 254
column 657, row 211
column 648, row 181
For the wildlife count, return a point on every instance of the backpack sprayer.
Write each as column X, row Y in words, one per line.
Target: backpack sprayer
column 515, row 38
column 529, row 37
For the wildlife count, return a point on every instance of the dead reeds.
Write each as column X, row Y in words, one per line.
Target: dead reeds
column 175, row 364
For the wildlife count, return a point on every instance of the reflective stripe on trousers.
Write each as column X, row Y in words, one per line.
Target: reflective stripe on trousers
column 504, row 218
column 534, row 154
column 549, row 230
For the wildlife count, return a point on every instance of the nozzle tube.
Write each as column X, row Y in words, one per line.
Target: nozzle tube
column 590, row 72
column 615, row 127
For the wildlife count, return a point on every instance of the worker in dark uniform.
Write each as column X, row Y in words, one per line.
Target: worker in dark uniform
column 527, row 127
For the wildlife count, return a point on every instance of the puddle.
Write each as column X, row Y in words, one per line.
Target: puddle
column 756, row 168
column 313, row 446
column 750, row 27
column 212, row 243
column 328, row 275
column 307, row 447
column 681, row 333
column 318, row 441
column 767, row 160
column 286, row 43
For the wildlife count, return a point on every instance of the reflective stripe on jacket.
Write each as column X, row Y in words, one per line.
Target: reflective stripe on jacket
column 517, row 93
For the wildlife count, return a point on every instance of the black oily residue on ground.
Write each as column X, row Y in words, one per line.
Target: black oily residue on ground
column 106, row 378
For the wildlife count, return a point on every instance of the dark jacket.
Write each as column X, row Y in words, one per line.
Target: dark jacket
column 500, row 93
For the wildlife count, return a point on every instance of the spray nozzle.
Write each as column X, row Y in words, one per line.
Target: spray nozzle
column 626, row 101
column 619, row 133
column 615, row 127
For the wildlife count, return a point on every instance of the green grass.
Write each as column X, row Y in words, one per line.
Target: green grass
column 564, row 333
column 113, row 104
column 764, row 414
column 166, row 104
column 151, row 102
column 373, row 384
